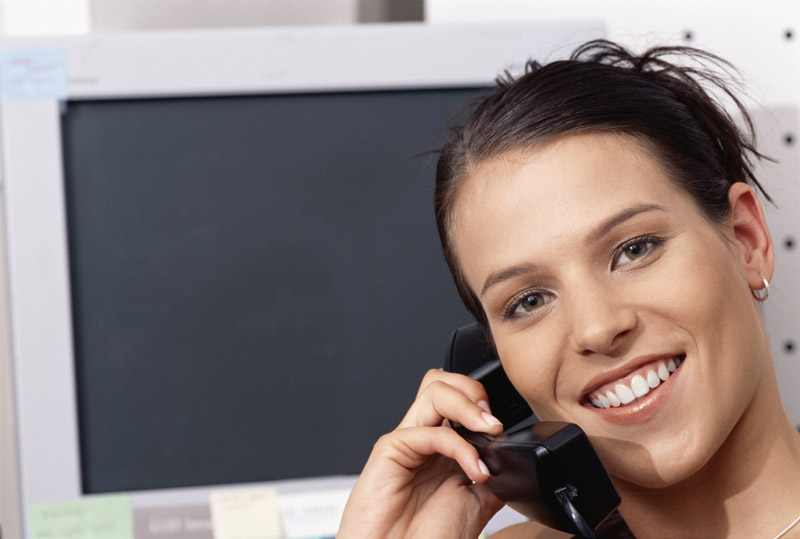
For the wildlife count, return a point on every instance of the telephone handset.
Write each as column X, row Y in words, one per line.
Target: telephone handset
column 546, row 470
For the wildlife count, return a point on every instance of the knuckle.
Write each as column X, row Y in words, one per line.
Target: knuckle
column 431, row 375
column 386, row 441
column 438, row 385
column 432, row 388
column 476, row 389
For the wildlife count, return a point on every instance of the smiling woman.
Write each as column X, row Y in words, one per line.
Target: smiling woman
column 601, row 220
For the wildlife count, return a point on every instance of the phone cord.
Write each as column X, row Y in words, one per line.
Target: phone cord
column 564, row 495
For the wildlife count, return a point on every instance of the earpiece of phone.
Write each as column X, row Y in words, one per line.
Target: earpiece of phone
column 546, row 470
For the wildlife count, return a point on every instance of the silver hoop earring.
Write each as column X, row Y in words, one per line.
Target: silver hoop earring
column 761, row 294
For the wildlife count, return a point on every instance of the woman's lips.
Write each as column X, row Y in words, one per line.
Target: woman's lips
column 637, row 395
column 634, row 386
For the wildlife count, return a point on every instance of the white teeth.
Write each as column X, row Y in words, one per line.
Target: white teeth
column 624, row 394
column 639, row 386
column 612, row 397
column 604, row 402
column 663, row 372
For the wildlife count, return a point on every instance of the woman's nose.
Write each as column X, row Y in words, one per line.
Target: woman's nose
column 600, row 319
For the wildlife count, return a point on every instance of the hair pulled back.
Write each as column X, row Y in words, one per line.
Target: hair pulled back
column 603, row 87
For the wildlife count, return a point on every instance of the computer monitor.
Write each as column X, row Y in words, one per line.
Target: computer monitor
column 222, row 261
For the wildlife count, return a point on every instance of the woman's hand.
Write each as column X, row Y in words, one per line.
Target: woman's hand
column 418, row 481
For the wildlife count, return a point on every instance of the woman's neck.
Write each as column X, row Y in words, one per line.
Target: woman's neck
column 747, row 489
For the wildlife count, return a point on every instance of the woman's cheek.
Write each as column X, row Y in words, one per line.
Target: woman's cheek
column 533, row 369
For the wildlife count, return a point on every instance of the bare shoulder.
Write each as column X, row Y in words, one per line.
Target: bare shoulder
column 528, row 530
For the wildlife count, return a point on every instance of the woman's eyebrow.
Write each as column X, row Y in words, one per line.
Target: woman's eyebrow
column 617, row 219
column 505, row 274
column 601, row 230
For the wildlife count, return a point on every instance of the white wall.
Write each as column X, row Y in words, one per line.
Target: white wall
column 43, row 17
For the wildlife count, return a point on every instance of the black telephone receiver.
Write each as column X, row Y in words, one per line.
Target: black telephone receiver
column 546, row 470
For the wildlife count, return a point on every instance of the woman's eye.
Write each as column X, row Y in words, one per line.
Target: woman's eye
column 635, row 249
column 526, row 303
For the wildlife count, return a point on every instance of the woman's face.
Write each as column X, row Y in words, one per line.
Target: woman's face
column 602, row 281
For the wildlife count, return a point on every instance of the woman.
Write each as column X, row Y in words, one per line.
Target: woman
column 600, row 218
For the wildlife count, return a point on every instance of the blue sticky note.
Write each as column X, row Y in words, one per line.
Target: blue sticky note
column 34, row 74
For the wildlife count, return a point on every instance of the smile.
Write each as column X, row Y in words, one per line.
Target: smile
column 633, row 387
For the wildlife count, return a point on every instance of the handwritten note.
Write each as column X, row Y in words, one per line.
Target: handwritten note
column 313, row 514
column 34, row 74
column 246, row 514
column 95, row 517
column 172, row 522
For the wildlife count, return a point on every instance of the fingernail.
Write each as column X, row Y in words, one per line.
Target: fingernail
column 484, row 469
column 484, row 405
column 490, row 419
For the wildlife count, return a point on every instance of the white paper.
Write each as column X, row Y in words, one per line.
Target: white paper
column 246, row 514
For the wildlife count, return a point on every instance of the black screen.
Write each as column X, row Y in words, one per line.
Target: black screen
column 257, row 284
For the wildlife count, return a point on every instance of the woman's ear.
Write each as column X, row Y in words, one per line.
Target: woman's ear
column 751, row 235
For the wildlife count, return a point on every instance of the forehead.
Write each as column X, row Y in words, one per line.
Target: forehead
column 554, row 193
column 566, row 169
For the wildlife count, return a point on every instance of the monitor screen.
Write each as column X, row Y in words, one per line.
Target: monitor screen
column 257, row 284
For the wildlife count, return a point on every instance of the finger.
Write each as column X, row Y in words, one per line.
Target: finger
column 410, row 448
column 441, row 401
column 472, row 388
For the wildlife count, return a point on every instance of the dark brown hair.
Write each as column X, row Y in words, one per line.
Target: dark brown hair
column 603, row 87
